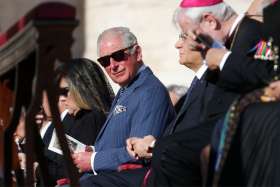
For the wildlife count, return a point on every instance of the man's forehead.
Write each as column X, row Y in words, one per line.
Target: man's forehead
column 109, row 45
column 111, row 42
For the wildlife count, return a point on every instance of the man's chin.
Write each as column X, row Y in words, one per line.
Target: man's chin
column 120, row 82
column 184, row 63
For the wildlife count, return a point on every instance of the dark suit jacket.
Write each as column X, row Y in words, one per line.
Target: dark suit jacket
column 254, row 153
column 271, row 22
column 229, row 81
column 176, row 156
column 192, row 113
column 144, row 109
column 252, row 73
column 87, row 124
column 242, row 72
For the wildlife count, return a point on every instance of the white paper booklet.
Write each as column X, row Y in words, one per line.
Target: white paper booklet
column 75, row 145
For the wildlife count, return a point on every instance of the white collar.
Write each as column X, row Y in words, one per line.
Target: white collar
column 63, row 114
column 235, row 23
column 44, row 129
column 201, row 71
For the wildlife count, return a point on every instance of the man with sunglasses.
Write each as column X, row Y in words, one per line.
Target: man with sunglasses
column 142, row 107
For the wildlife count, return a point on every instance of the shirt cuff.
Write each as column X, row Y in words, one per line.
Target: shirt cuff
column 92, row 162
column 224, row 59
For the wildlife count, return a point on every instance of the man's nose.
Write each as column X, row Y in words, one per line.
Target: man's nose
column 113, row 63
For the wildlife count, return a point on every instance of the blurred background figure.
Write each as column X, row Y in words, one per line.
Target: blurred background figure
column 176, row 92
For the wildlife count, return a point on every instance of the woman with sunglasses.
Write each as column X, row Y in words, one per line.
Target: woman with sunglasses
column 87, row 97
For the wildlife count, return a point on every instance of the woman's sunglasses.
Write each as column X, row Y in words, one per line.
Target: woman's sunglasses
column 63, row 91
column 118, row 56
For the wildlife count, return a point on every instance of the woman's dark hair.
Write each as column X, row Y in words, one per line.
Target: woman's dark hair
column 87, row 84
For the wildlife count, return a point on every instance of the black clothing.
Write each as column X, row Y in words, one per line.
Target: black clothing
column 253, row 158
column 271, row 22
column 229, row 82
column 86, row 126
column 54, row 161
column 176, row 158
column 242, row 72
column 83, row 127
column 243, row 76
column 191, row 113
column 179, row 104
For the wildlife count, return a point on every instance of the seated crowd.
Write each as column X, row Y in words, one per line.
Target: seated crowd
column 223, row 131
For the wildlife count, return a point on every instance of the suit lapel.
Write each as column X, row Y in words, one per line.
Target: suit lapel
column 108, row 117
column 193, row 96
column 196, row 92
column 139, row 79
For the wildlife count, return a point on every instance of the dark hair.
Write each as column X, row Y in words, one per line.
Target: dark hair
column 87, row 83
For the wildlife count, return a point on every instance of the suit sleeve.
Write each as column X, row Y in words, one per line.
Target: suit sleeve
column 151, row 113
column 242, row 73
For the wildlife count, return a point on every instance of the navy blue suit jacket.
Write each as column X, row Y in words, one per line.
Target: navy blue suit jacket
column 193, row 112
column 144, row 109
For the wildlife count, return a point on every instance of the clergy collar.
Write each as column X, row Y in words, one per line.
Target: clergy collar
column 235, row 23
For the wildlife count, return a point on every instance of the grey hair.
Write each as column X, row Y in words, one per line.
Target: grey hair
column 177, row 89
column 221, row 11
column 127, row 37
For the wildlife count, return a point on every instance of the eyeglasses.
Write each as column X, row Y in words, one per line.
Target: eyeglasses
column 63, row 91
column 183, row 36
column 118, row 56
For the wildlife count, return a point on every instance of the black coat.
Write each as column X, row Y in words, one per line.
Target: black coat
column 86, row 126
column 253, row 158
column 83, row 127
column 176, row 155
column 242, row 72
column 229, row 81
column 176, row 158
column 192, row 112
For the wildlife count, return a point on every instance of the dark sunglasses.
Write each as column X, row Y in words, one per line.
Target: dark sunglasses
column 63, row 91
column 118, row 56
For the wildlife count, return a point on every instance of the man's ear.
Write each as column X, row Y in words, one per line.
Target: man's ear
column 209, row 21
column 138, row 53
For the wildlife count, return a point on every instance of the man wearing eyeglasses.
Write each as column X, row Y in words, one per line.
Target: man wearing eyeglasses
column 142, row 105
